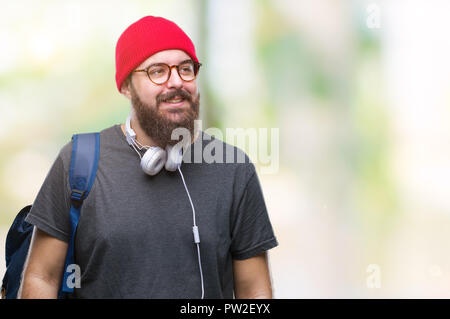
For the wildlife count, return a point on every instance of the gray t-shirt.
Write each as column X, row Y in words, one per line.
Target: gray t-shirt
column 134, row 238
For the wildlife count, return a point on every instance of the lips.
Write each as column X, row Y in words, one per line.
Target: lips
column 174, row 105
column 176, row 99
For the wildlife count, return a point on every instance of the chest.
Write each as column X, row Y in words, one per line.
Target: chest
column 128, row 210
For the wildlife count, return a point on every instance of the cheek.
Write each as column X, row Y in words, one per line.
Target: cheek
column 147, row 92
column 192, row 88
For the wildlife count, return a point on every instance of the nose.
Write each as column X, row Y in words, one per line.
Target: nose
column 174, row 78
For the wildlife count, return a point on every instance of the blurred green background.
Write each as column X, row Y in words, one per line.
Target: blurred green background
column 359, row 91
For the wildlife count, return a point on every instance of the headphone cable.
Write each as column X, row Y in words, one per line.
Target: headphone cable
column 196, row 234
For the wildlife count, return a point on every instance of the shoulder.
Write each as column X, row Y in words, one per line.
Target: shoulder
column 232, row 151
column 227, row 157
column 107, row 136
column 65, row 154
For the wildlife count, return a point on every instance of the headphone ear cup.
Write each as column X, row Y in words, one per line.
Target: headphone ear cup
column 153, row 160
column 174, row 157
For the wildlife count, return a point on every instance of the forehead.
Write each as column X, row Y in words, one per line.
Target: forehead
column 167, row 56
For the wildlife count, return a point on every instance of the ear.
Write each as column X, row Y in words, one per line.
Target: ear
column 125, row 89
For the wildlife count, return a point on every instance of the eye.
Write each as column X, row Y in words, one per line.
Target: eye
column 188, row 68
column 156, row 71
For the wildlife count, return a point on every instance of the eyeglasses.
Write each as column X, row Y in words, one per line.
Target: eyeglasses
column 159, row 73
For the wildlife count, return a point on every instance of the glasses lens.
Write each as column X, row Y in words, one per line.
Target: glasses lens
column 159, row 73
column 187, row 71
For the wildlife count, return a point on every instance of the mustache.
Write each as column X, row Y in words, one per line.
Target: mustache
column 172, row 94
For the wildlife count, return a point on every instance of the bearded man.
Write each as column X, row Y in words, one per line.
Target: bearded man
column 191, row 230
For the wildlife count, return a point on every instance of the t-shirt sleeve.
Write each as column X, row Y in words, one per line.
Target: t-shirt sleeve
column 252, row 231
column 50, row 210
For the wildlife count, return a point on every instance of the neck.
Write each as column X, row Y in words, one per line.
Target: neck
column 143, row 138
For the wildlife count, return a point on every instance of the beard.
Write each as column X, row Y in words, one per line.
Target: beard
column 156, row 125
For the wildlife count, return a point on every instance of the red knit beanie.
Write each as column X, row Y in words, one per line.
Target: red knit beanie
column 146, row 37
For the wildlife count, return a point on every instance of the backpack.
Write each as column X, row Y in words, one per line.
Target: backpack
column 82, row 171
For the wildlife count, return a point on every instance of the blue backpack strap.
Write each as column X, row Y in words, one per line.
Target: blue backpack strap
column 83, row 168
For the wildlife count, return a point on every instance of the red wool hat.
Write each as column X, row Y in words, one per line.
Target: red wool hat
column 146, row 37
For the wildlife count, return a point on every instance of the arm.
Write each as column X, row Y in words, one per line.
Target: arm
column 43, row 269
column 252, row 278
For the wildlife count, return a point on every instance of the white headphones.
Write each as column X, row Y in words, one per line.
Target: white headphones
column 155, row 157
